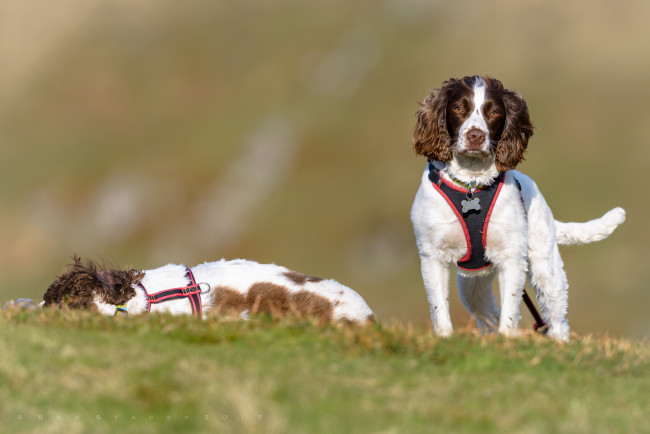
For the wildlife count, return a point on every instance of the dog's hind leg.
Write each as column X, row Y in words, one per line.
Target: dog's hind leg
column 549, row 280
column 546, row 267
column 477, row 297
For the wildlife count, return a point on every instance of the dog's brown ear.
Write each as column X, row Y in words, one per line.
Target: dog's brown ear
column 80, row 284
column 517, row 130
column 117, row 285
column 430, row 136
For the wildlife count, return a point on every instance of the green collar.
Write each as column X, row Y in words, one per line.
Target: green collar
column 121, row 309
column 467, row 185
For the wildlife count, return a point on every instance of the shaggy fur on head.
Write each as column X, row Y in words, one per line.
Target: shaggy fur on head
column 80, row 284
column 449, row 105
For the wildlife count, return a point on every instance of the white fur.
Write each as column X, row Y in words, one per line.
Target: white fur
column 475, row 120
column 522, row 240
column 237, row 275
column 595, row 230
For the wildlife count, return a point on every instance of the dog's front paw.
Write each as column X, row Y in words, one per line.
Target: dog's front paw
column 443, row 332
column 509, row 332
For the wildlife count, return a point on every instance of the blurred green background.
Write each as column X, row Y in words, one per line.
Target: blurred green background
column 145, row 132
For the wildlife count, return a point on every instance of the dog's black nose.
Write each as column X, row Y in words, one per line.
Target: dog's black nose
column 475, row 137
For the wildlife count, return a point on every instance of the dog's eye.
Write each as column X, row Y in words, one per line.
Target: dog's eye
column 458, row 109
column 494, row 113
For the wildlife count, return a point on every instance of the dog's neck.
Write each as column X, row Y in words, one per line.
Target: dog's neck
column 472, row 169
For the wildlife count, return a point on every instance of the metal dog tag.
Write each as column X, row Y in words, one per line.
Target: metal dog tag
column 471, row 204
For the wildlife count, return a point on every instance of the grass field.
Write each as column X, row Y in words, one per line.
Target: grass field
column 76, row 372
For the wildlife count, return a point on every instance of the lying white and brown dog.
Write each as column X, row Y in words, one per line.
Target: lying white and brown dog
column 238, row 287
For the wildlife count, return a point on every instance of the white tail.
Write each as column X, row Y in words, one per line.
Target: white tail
column 588, row 232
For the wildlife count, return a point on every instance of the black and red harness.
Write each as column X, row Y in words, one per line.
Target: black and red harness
column 475, row 222
column 192, row 291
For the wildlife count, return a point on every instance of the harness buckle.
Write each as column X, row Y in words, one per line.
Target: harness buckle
column 204, row 283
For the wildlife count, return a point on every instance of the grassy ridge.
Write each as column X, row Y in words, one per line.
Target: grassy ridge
column 79, row 373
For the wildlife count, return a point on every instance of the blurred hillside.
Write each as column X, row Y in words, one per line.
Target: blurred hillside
column 147, row 132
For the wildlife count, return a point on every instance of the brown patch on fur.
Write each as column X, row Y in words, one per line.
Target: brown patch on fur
column 299, row 278
column 80, row 284
column 228, row 301
column 274, row 300
column 270, row 298
column 313, row 305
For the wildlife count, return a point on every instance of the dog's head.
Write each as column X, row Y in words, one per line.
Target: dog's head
column 474, row 117
column 84, row 286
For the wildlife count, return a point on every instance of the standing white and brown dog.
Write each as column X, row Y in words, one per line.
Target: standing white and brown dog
column 238, row 287
column 474, row 210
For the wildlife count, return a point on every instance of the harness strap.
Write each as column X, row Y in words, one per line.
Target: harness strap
column 473, row 222
column 191, row 291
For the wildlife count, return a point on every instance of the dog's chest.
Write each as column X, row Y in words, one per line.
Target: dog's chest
column 441, row 233
column 473, row 207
